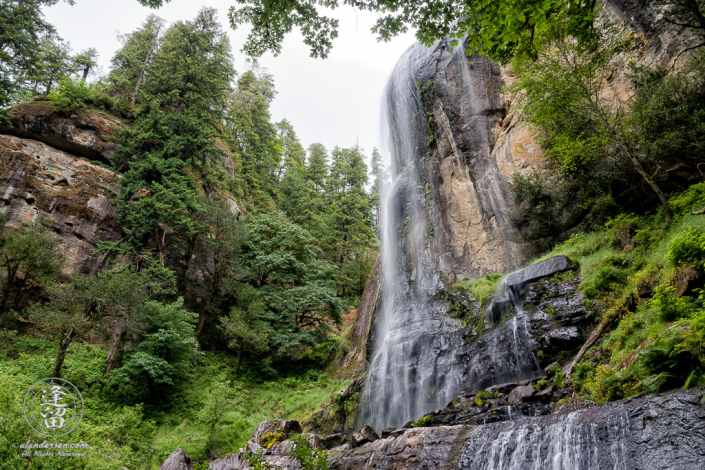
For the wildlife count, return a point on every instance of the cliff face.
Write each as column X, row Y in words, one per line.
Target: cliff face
column 40, row 182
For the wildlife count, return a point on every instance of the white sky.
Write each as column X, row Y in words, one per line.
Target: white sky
column 334, row 101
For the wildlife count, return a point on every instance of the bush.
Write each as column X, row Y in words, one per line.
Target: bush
column 70, row 96
column 691, row 200
column 688, row 247
column 122, row 107
column 104, row 101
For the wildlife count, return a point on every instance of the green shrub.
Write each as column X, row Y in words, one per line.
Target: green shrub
column 687, row 247
column 70, row 96
column 104, row 101
column 485, row 286
column 693, row 199
column 604, row 279
column 308, row 457
column 122, row 107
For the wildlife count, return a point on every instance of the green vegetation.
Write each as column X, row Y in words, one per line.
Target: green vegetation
column 651, row 317
column 207, row 416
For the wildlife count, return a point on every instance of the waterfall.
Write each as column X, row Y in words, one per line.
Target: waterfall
column 572, row 442
column 419, row 359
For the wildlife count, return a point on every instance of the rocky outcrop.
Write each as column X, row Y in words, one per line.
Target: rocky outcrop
column 178, row 460
column 72, row 195
column 354, row 363
column 516, row 281
column 655, row 432
column 86, row 134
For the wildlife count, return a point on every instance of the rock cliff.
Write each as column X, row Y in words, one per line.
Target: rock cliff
column 38, row 181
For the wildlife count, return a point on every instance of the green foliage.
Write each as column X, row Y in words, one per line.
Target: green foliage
column 308, row 457
column 484, row 287
column 70, row 96
column 165, row 354
column 693, row 199
column 688, row 247
column 29, row 261
column 257, row 461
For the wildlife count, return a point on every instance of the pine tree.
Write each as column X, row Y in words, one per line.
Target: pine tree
column 252, row 137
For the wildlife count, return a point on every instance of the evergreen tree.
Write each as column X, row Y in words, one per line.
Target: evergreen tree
column 173, row 136
column 253, row 138
column 52, row 62
column 349, row 219
column 131, row 63
column 380, row 185
column 23, row 31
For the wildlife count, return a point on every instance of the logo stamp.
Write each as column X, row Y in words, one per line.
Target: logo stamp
column 53, row 407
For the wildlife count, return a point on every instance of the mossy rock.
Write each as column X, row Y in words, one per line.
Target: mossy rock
column 423, row 422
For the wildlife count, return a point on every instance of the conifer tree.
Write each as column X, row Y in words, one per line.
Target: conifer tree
column 131, row 63
column 172, row 139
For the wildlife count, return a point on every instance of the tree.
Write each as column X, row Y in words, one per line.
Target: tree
column 380, row 185
column 165, row 353
column 244, row 326
column 579, row 124
column 500, row 29
column 252, row 137
column 349, row 220
column 131, row 62
column 29, row 261
column 86, row 302
column 23, row 30
column 53, row 61
column 293, row 153
column 173, row 138
column 296, row 287
column 86, row 61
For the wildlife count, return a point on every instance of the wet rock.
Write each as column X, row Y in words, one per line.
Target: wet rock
column 521, row 394
column 419, row 448
column 178, row 460
column 387, row 432
column 516, row 281
column 333, row 440
column 363, row 436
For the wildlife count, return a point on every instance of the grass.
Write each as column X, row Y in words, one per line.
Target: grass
column 139, row 436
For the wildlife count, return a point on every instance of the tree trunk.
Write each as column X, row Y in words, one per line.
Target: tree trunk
column 140, row 77
column 199, row 329
column 118, row 334
column 239, row 358
column 63, row 349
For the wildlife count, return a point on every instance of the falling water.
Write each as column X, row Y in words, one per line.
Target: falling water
column 419, row 357
column 571, row 442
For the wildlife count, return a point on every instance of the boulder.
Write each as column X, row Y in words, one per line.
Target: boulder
column 517, row 280
column 363, row 436
column 521, row 394
column 178, row 460
column 686, row 280
column 39, row 182
column 280, row 429
column 229, row 462
column 85, row 134
column 333, row 440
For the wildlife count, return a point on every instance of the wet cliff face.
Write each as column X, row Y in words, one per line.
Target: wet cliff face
column 71, row 194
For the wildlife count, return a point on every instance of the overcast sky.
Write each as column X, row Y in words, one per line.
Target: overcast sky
column 334, row 101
